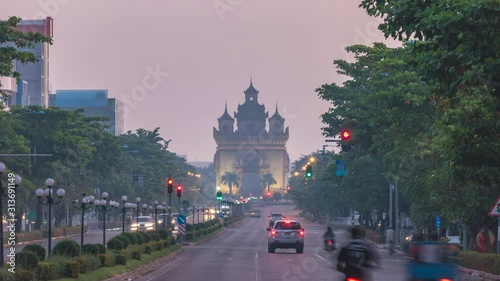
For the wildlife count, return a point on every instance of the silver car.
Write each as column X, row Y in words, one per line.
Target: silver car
column 286, row 234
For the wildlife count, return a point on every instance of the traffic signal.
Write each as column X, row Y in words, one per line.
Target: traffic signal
column 345, row 136
column 309, row 171
column 288, row 189
column 170, row 185
column 179, row 190
column 219, row 195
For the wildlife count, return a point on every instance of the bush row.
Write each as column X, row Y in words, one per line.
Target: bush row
column 67, row 263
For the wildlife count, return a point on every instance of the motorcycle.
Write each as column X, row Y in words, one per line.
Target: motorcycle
column 329, row 245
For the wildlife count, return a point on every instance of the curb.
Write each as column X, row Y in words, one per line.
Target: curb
column 483, row 274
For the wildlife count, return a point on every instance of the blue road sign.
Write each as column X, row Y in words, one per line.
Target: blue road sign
column 438, row 222
column 221, row 215
column 181, row 219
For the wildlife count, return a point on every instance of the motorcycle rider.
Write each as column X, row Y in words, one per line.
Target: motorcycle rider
column 357, row 256
column 329, row 235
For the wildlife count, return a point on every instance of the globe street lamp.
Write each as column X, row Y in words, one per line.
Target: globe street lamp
column 86, row 203
column 16, row 181
column 46, row 198
column 124, row 210
column 144, row 208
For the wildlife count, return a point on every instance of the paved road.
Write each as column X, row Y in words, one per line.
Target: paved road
column 240, row 253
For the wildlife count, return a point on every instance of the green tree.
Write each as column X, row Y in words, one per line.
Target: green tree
column 230, row 179
column 267, row 181
column 11, row 40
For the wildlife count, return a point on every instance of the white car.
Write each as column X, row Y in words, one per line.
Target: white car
column 145, row 223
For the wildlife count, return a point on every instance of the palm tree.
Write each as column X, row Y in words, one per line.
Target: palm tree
column 230, row 179
column 268, row 180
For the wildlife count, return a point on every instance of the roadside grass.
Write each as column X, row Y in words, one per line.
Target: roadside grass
column 110, row 272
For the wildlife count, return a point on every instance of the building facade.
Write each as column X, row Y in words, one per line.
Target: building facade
column 252, row 149
column 93, row 103
column 36, row 74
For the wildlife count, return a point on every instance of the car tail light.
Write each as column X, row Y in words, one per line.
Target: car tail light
column 330, row 242
column 274, row 232
column 301, row 232
column 352, row 279
column 445, row 279
column 287, row 221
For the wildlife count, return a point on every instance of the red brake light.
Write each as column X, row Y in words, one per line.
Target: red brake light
column 274, row 232
column 352, row 279
column 287, row 221
column 445, row 279
column 300, row 232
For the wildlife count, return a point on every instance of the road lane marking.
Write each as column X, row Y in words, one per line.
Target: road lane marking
column 322, row 258
column 257, row 268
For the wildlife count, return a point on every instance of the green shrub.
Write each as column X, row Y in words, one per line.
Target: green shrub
column 166, row 244
column 66, row 248
column 154, row 236
column 27, row 260
column 124, row 240
column 480, row 261
column 6, row 275
column 145, row 237
column 121, row 259
column 93, row 262
column 71, row 269
column 105, row 260
column 131, row 237
column 82, row 263
column 115, row 244
column 90, row 249
column 136, row 255
column 100, row 248
column 163, row 234
column 158, row 246
column 37, row 249
column 24, row 275
column 46, row 271
column 139, row 238
column 148, row 249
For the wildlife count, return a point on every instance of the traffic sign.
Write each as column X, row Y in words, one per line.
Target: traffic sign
column 182, row 229
column 438, row 222
column 181, row 219
column 495, row 210
column 221, row 215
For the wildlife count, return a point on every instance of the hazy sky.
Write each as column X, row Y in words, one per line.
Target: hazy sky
column 202, row 54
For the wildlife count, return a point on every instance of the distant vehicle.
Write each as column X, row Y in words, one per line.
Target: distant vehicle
column 273, row 217
column 173, row 221
column 254, row 214
column 145, row 223
column 286, row 234
column 453, row 234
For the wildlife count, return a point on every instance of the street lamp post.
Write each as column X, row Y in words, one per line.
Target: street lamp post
column 86, row 203
column 169, row 216
column 12, row 179
column 124, row 210
column 137, row 208
column 156, row 206
column 46, row 198
column 198, row 213
column 203, row 207
column 164, row 209
column 102, row 204
column 144, row 208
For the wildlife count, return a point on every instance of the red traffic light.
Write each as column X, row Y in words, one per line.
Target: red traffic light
column 170, row 181
column 345, row 135
column 179, row 187
column 269, row 194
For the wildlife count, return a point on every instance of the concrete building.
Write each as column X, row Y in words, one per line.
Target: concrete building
column 35, row 74
column 253, row 149
column 93, row 103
